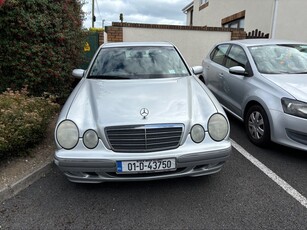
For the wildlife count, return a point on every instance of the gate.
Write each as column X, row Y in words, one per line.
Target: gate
column 90, row 47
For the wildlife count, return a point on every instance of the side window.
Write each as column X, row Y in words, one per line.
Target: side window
column 236, row 57
column 218, row 54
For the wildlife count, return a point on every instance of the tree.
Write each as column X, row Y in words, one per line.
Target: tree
column 41, row 41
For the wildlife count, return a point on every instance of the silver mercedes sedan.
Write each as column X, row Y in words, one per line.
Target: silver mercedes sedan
column 140, row 113
column 263, row 83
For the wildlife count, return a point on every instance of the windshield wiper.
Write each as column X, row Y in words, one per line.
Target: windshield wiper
column 108, row 77
column 301, row 72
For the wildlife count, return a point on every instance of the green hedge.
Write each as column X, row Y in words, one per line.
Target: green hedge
column 23, row 121
column 41, row 41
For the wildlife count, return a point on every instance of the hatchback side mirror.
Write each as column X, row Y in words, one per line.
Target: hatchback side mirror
column 239, row 70
column 78, row 73
column 197, row 70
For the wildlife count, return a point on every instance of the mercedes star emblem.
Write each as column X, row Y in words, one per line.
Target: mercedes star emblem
column 144, row 113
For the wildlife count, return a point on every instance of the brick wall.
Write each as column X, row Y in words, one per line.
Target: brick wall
column 101, row 37
column 115, row 32
column 238, row 34
column 194, row 42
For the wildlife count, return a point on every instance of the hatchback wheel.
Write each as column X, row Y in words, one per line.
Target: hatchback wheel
column 257, row 126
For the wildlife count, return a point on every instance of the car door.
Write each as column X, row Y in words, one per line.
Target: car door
column 234, row 86
column 214, row 69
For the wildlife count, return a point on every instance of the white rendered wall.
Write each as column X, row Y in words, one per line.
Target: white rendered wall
column 291, row 20
column 258, row 13
column 193, row 45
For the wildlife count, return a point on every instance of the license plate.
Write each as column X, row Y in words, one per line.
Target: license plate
column 142, row 166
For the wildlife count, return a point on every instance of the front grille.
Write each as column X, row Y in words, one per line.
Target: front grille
column 144, row 138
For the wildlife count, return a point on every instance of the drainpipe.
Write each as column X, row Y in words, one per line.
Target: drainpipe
column 274, row 19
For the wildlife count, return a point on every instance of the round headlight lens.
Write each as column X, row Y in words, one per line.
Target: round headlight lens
column 218, row 127
column 90, row 139
column 67, row 134
column 197, row 133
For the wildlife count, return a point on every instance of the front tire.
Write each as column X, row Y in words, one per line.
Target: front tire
column 257, row 126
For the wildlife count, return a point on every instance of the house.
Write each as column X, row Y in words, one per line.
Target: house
column 281, row 19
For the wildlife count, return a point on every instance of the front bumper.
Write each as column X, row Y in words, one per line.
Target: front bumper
column 289, row 130
column 93, row 169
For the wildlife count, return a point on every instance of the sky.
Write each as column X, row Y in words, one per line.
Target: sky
column 136, row 11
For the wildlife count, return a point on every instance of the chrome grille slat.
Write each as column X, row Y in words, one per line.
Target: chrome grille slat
column 144, row 138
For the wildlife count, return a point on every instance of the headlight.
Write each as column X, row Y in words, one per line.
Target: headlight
column 217, row 127
column 67, row 134
column 197, row 133
column 294, row 107
column 90, row 139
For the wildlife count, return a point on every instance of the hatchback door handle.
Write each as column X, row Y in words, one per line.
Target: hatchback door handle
column 221, row 75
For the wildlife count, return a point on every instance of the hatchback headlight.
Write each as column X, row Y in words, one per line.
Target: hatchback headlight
column 90, row 139
column 197, row 133
column 67, row 134
column 294, row 107
column 218, row 127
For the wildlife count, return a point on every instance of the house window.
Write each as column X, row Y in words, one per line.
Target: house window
column 239, row 23
column 203, row 4
column 234, row 21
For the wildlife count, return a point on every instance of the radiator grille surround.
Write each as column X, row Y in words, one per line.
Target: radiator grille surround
column 144, row 138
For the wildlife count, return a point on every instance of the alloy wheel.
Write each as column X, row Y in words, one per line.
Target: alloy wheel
column 256, row 125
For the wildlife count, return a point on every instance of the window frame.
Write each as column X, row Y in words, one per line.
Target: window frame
column 203, row 4
column 214, row 52
column 228, row 57
column 247, row 67
column 237, row 22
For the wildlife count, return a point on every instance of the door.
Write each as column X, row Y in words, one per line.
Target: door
column 234, row 86
column 213, row 70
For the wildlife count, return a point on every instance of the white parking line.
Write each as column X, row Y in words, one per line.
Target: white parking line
column 285, row 186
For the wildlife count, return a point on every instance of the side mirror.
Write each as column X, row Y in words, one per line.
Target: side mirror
column 78, row 73
column 197, row 70
column 239, row 70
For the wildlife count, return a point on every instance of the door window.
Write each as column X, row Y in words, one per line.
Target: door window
column 218, row 54
column 236, row 57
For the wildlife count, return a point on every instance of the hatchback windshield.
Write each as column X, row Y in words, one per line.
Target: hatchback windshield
column 278, row 59
column 138, row 63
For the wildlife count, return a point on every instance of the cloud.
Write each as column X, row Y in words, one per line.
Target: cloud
column 137, row 11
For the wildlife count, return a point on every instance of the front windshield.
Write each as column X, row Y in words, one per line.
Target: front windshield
column 280, row 59
column 138, row 63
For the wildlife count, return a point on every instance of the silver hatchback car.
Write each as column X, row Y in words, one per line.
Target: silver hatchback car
column 263, row 82
column 140, row 113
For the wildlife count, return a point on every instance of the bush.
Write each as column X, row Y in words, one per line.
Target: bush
column 23, row 121
column 41, row 41
column 91, row 29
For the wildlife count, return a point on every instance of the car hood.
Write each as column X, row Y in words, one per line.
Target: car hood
column 294, row 84
column 102, row 103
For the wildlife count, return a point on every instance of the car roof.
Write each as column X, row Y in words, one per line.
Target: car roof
column 135, row 44
column 257, row 42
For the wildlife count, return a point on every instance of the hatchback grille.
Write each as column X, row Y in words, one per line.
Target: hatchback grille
column 144, row 138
